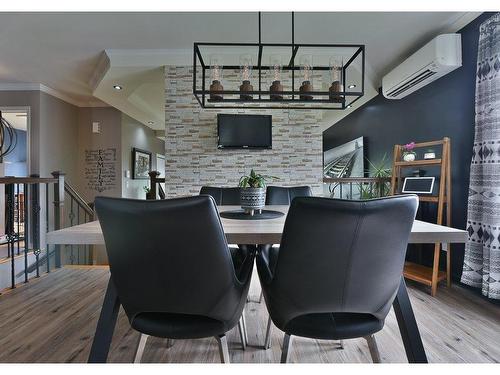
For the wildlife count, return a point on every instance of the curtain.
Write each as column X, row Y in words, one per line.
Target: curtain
column 481, row 267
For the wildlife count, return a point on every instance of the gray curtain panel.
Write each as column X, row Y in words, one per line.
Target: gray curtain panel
column 482, row 252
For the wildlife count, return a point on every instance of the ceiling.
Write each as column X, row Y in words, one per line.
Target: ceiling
column 64, row 51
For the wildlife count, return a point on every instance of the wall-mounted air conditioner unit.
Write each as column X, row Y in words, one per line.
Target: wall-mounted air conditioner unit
column 440, row 56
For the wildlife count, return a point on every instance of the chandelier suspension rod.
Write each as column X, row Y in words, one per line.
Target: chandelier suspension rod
column 260, row 41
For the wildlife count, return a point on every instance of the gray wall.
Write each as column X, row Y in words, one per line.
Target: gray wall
column 134, row 134
column 192, row 158
column 109, row 138
column 58, row 140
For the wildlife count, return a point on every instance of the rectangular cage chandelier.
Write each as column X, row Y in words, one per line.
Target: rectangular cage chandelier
column 278, row 76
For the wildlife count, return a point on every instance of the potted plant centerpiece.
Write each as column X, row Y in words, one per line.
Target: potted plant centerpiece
column 253, row 191
column 408, row 153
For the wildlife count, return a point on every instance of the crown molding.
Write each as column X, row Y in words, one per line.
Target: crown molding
column 50, row 91
column 100, row 70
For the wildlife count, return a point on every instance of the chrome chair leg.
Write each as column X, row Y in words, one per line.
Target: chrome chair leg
column 223, row 348
column 260, row 297
column 287, row 345
column 241, row 329
column 267, row 342
column 372, row 345
column 341, row 344
column 244, row 321
column 140, row 348
column 170, row 343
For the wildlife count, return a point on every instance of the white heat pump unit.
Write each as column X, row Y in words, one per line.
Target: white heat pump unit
column 440, row 56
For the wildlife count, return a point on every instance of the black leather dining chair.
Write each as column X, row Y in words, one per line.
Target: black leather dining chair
column 338, row 269
column 229, row 196
column 281, row 195
column 223, row 196
column 172, row 269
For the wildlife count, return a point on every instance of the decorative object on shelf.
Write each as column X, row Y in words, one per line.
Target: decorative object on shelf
column 216, row 75
column 409, row 154
column 336, row 70
column 246, row 65
column 253, row 191
column 276, row 89
column 8, row 137
column 429, row 154
column 141, row 164
column 306, row 64
column 418, row 173
column 418, row 185
column 261, row 93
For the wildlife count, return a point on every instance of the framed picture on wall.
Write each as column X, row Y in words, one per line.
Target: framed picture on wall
column 141, row 164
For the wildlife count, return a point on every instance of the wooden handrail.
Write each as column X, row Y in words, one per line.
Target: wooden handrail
column 77, row 197
column 347, row 180
column 27, row 180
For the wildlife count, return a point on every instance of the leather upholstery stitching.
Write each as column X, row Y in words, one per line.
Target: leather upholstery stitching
column 349, row 261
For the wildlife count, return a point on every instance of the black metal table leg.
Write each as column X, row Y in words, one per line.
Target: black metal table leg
column 408, row 326
column 105, row 326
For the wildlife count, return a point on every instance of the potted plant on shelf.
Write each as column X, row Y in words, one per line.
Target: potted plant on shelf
column 408, row 153
column 253, row 191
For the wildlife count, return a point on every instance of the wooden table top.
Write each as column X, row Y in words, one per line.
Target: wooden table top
column 254, row 231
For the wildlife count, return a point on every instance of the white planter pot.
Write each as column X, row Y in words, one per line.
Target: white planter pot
column 409, row 156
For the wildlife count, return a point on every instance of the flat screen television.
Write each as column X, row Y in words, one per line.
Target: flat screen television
column 244, row 131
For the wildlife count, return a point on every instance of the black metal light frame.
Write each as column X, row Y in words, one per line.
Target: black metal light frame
column 201, row 92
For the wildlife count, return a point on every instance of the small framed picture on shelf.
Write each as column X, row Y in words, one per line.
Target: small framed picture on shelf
column 141, row 164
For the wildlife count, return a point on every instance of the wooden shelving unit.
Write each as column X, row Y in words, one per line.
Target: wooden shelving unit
column 417, row 272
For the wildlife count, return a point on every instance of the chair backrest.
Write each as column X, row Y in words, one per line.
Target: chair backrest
column 341, row 256
column 168, row 256
column 224, row 196
column 280, row 195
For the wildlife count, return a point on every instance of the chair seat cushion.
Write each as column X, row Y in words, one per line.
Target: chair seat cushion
column 177, row 326
column 334, row 326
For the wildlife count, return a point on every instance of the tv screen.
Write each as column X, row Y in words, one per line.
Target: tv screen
column 244, row 131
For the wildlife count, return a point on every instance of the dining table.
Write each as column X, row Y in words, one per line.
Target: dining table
column 255, row 231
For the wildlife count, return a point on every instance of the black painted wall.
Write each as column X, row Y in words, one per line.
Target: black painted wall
column 444, row 108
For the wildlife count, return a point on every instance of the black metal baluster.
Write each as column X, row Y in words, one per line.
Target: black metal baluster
column 350, row 190
column 26, row 238
column 18, row 231
column 71, row 218
column 77, row 223
column 47, row 246
column 9, row 230
column 35, row 208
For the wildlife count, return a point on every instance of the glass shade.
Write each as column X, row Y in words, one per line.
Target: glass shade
column 336, row 66
column 215, row 68
column 306, row 65
column 246, row 64
column 275, row 67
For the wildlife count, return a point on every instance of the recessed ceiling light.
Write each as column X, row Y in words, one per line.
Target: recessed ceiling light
column 151, row 122
column 351, row 86
column 118, row 87
column 349, row 106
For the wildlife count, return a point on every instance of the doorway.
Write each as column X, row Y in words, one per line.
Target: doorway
column 16, row 164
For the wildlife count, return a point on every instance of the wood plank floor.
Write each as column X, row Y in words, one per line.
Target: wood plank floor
column 53, row 319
